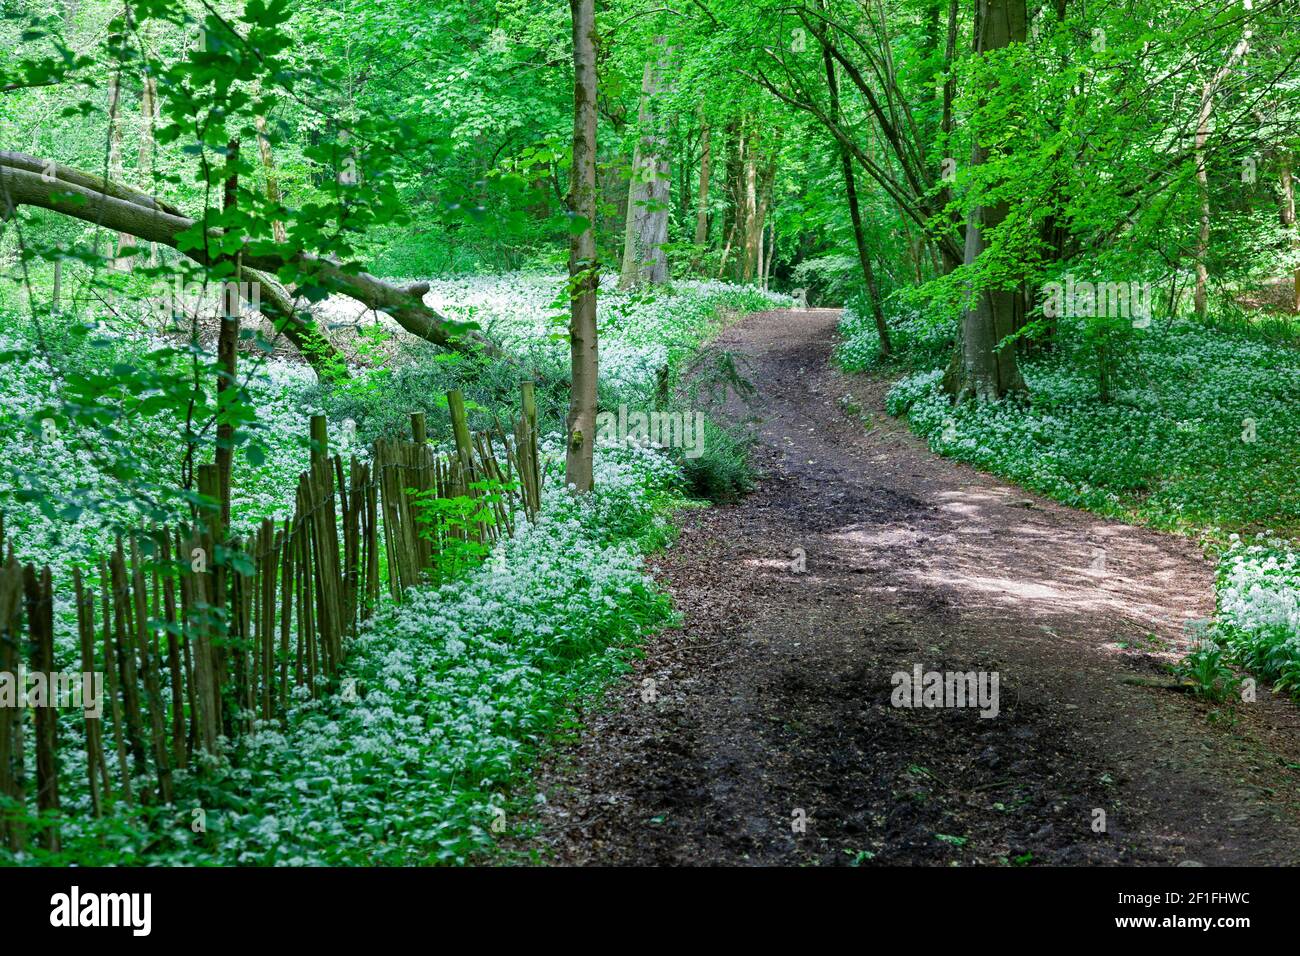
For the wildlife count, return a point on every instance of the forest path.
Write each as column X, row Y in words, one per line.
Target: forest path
column 774, row 698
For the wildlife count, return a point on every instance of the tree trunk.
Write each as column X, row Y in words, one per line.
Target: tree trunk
column 268, row 171
column 702, row 205
column 984, row 372
column 583, row 265
column 949, row 62
column 119, row 263
column 750, row 227
column 644, row 259
column 750, row 187
column 1287, row 208
column 148, row 115
column 1203, row 189
column 855, row 213
column 1289, row 221
column 771, row 255
column 735, row 190
column 766, row 183
column 26, row 181
column 946, row 125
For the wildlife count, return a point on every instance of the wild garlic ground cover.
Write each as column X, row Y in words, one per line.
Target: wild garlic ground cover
column 455, row 691
column 912, row 332
column 1259, row 608
column 66, row 486
column 648, row 339
column 1200, row 435
column 459, row 686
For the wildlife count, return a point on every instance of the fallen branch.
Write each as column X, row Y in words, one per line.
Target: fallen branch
column 272, row 299
column 275, row 302
column 27, row 180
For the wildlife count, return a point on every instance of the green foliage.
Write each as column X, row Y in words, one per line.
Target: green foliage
column 1206, row 666
column 827, row 280
column 1259, row 609
column 457, row 691
column 432, row 141
column 920, row 338
column 380, row 400
column 723, row 471
column 458, row 526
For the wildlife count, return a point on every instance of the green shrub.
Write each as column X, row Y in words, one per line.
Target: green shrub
column 917, row 339
column 723, row 472
column 1206, row 666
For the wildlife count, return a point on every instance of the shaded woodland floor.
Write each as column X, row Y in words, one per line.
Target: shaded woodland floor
column 774, row 697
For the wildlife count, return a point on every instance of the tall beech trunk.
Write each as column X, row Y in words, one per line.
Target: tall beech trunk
column 646, row 231
column 766, row 186
column 734, row 176
column 583, row 265
column 982, row 370
column 855, row 212
column 751, row 227
column 766, row 240
column 749, row 182
column 946, row 127
column 702, row 203
column 1200, row 298
column 771, row 255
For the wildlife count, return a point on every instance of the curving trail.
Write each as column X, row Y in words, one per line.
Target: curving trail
column 775, row 696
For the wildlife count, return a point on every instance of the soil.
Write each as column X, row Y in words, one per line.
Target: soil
column 762, row 731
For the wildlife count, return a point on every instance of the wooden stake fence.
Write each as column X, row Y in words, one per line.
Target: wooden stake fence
column 198, row 635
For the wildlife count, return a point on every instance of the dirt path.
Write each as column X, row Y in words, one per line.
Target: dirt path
column 774, row 698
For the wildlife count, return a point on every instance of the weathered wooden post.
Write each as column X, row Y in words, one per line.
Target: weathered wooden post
column 526, row 450
column 460, row 431
column 40, row 624
column 12, row 778
column 210, row 587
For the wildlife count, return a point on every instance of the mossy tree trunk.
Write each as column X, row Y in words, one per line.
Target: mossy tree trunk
column 583, row 265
